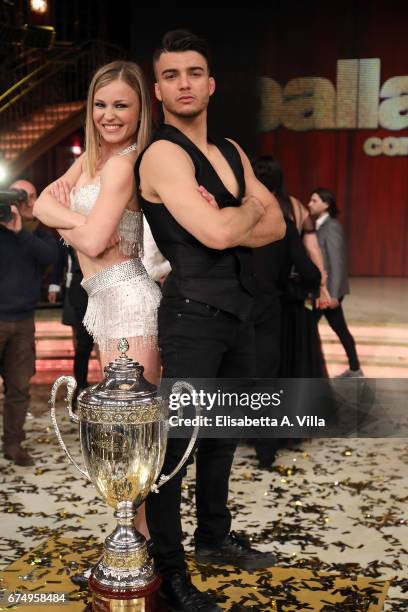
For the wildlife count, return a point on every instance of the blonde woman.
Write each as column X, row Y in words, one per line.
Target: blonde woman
column 95, row 209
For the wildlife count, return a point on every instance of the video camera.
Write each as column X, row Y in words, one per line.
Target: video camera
column 9, row 197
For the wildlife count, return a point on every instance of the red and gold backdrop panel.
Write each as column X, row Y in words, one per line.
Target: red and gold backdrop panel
column 334, row 111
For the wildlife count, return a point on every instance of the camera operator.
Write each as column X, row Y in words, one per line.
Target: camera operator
column 25, row 250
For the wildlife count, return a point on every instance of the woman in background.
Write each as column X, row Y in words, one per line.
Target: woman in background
column 287, row 340
column 291, row 269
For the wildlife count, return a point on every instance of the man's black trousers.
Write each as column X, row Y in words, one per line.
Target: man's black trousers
column 197, row 340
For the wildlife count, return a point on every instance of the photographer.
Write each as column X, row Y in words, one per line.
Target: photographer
column 25, row 250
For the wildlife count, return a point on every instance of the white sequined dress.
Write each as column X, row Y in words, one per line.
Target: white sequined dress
column 122, row 298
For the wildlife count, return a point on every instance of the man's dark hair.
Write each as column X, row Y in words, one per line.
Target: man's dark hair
column 182, row 40
column 328, row 198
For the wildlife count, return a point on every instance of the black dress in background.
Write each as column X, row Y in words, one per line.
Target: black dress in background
column 287, row 339
column 301, row 350
column 268, row 261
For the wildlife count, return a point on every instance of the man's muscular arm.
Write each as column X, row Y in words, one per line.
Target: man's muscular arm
column 271, row 226
column 167, row 175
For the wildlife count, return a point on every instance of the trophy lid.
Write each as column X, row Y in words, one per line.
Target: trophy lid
column 124, row 386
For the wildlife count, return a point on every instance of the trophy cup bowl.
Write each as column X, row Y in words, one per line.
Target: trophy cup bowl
column 123, row 427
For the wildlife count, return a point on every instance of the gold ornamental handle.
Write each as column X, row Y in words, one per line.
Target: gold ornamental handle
column 179, row 386
column 71, row 386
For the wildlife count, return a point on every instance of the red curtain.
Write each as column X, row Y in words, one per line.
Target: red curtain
column 307, row 40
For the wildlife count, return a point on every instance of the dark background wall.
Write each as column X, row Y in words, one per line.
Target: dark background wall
column 233, row 110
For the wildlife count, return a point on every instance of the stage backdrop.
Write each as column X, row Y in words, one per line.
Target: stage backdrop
column 325, row 82
column 334, row 110
column 332, row 107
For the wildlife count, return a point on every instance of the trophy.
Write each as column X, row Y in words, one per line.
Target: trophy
column 123, row 433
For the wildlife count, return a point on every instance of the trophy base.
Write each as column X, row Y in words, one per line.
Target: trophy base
column 112, row 599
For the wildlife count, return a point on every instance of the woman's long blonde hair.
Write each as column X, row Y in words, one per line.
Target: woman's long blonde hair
column 130, row 73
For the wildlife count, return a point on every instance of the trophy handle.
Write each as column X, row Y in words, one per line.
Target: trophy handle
column 71, row 386
column 177, row 387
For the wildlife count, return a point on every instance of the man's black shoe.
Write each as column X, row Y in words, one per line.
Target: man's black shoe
column 82, row 578
column 236, row 551
column 182, row 596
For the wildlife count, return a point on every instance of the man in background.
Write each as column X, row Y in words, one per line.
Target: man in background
column 25, row 250
column 330, row 235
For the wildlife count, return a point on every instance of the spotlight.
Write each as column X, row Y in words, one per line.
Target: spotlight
column 3, row 172
column 39, row 6
column 76, row 150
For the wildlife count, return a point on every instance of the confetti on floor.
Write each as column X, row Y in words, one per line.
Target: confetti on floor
column 328, row 506
column 46, row 569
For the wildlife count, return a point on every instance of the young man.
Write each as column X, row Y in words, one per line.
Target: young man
column 205, row 326
column 330, row 235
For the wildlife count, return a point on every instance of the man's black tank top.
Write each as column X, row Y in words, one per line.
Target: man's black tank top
column 224, row 279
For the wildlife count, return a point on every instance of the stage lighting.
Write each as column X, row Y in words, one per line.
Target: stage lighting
column 3, row 172
column 76, row 150
column 39, row 37
column 39, row 6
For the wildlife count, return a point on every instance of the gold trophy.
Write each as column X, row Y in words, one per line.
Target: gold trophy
column 123, row 433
